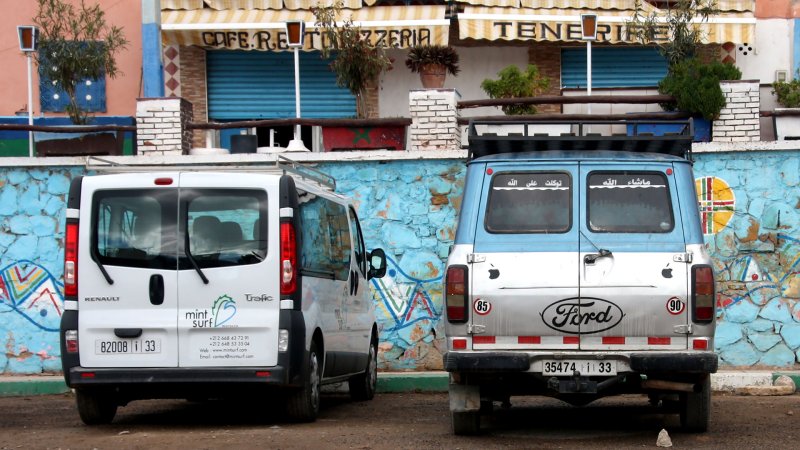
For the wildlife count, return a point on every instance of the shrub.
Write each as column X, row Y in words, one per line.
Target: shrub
column 788, row 93
column 695, row 86
column 514, row 83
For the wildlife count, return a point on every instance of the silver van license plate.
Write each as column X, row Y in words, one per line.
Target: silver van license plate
column 570, row 366
column 126, row 346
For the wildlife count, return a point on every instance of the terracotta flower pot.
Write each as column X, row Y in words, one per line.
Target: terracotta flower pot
column 432, row 76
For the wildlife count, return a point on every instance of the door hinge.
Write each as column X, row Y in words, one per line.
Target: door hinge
column 476, row 329
column 682, row 257
column 682, row 329
column 475, row 258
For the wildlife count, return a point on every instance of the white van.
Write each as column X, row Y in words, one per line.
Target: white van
column 207, row 285
column 579, row 271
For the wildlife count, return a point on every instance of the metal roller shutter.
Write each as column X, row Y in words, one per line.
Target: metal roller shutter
column 260, row 85
column 613, row 67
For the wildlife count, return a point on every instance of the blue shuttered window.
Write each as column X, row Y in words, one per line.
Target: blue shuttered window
column 260, row 85
column 613, row 67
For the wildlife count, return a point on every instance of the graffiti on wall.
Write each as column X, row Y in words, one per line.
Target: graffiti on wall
column 749, row 217
column 30, row 291
column 717, row 203
column 408, row 310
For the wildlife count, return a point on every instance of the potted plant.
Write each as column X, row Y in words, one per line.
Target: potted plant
column 433, row 63
column 358, row 64
column 786, row 120
column 695, row 86
column 76, row 46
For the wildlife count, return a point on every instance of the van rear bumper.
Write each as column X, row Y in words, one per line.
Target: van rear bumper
column 86, row 377
column 651, row 362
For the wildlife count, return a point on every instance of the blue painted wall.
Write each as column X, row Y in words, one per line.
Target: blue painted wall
column 409, row 208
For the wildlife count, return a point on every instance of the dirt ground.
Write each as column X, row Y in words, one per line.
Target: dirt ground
column 413, row 420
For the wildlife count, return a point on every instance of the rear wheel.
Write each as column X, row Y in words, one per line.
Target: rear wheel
column 95, row 407
column 465, row 422
column 362, row 386
column 696, row 408
column 303, row 404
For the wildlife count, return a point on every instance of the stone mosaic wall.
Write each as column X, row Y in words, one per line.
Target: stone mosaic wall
column 751, row 210
column 750, row 202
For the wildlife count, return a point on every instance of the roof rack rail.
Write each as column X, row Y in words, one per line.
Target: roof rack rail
column 527, row 136
column 280, row 164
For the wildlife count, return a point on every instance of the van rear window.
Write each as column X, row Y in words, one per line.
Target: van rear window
column 532, row 202
column 135, row 228
column 626, row 202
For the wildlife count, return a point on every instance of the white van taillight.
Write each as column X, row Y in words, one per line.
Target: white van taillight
column 71, row 341
column 456, row 293
column 288, row 259
column 702, row 294
column 71, row 260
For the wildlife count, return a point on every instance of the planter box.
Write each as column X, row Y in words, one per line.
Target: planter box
column 702, row 129
column 363, row 138
column 78, row 144
column 787, row 124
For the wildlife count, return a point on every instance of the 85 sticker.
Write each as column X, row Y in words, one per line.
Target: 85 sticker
column 482, row 307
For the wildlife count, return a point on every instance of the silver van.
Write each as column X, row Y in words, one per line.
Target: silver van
column 579, row 274
column 207, row 284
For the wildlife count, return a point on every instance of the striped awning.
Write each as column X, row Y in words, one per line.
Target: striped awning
column 239, row 29
column 564, row 25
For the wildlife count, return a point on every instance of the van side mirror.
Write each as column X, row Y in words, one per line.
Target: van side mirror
column 377, row 264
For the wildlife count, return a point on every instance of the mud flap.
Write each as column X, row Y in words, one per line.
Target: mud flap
column 464, row 398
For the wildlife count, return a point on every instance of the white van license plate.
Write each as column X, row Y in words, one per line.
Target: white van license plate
column 587, row 368
column 126, row 346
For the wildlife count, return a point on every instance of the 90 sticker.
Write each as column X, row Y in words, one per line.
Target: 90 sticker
column 482, row 307
column 675, row 306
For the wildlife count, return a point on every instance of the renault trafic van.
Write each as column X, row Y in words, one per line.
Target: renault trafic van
column 197, row 284
column 579, row 273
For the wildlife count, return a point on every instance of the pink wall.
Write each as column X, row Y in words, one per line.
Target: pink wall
column 777, row 9
column 121, row 92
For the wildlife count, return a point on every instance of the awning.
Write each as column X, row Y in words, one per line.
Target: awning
column 564, row 25
column 397, row 27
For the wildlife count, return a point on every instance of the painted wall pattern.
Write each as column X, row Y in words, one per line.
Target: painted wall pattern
column 409, row 208
column 32, row 204
column 756, row 254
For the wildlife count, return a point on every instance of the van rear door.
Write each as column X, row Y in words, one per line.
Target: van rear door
column 524, row 276
column 228, row 286
column 127, row 278
column 633, row 276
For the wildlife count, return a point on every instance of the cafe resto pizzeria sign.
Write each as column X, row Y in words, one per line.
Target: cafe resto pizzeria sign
column 264, row 30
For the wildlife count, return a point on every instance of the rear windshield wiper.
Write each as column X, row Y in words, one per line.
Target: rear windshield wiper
column 194, row 264
column 103, row 271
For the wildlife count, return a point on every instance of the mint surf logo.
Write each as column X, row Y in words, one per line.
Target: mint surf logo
column 222, row 311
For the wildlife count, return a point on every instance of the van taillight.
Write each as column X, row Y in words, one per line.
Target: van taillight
column 288, row 259
column 71, row 260
column 702, row 294
column 456, row 293
column 71, row 341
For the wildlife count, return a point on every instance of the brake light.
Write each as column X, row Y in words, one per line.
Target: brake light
column 288, row 259
column 702, row 294
column 71, row 260
column 456, row 293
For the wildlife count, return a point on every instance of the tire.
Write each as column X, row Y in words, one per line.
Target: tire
column 465, row 423
column 95, row 407
column 303, row 404
column 362, row 386
column 695, row 408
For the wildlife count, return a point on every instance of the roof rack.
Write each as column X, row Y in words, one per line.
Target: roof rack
column 645, row 136
column 280, row 165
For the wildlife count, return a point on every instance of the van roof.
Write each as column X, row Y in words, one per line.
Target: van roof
column 577, row 155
